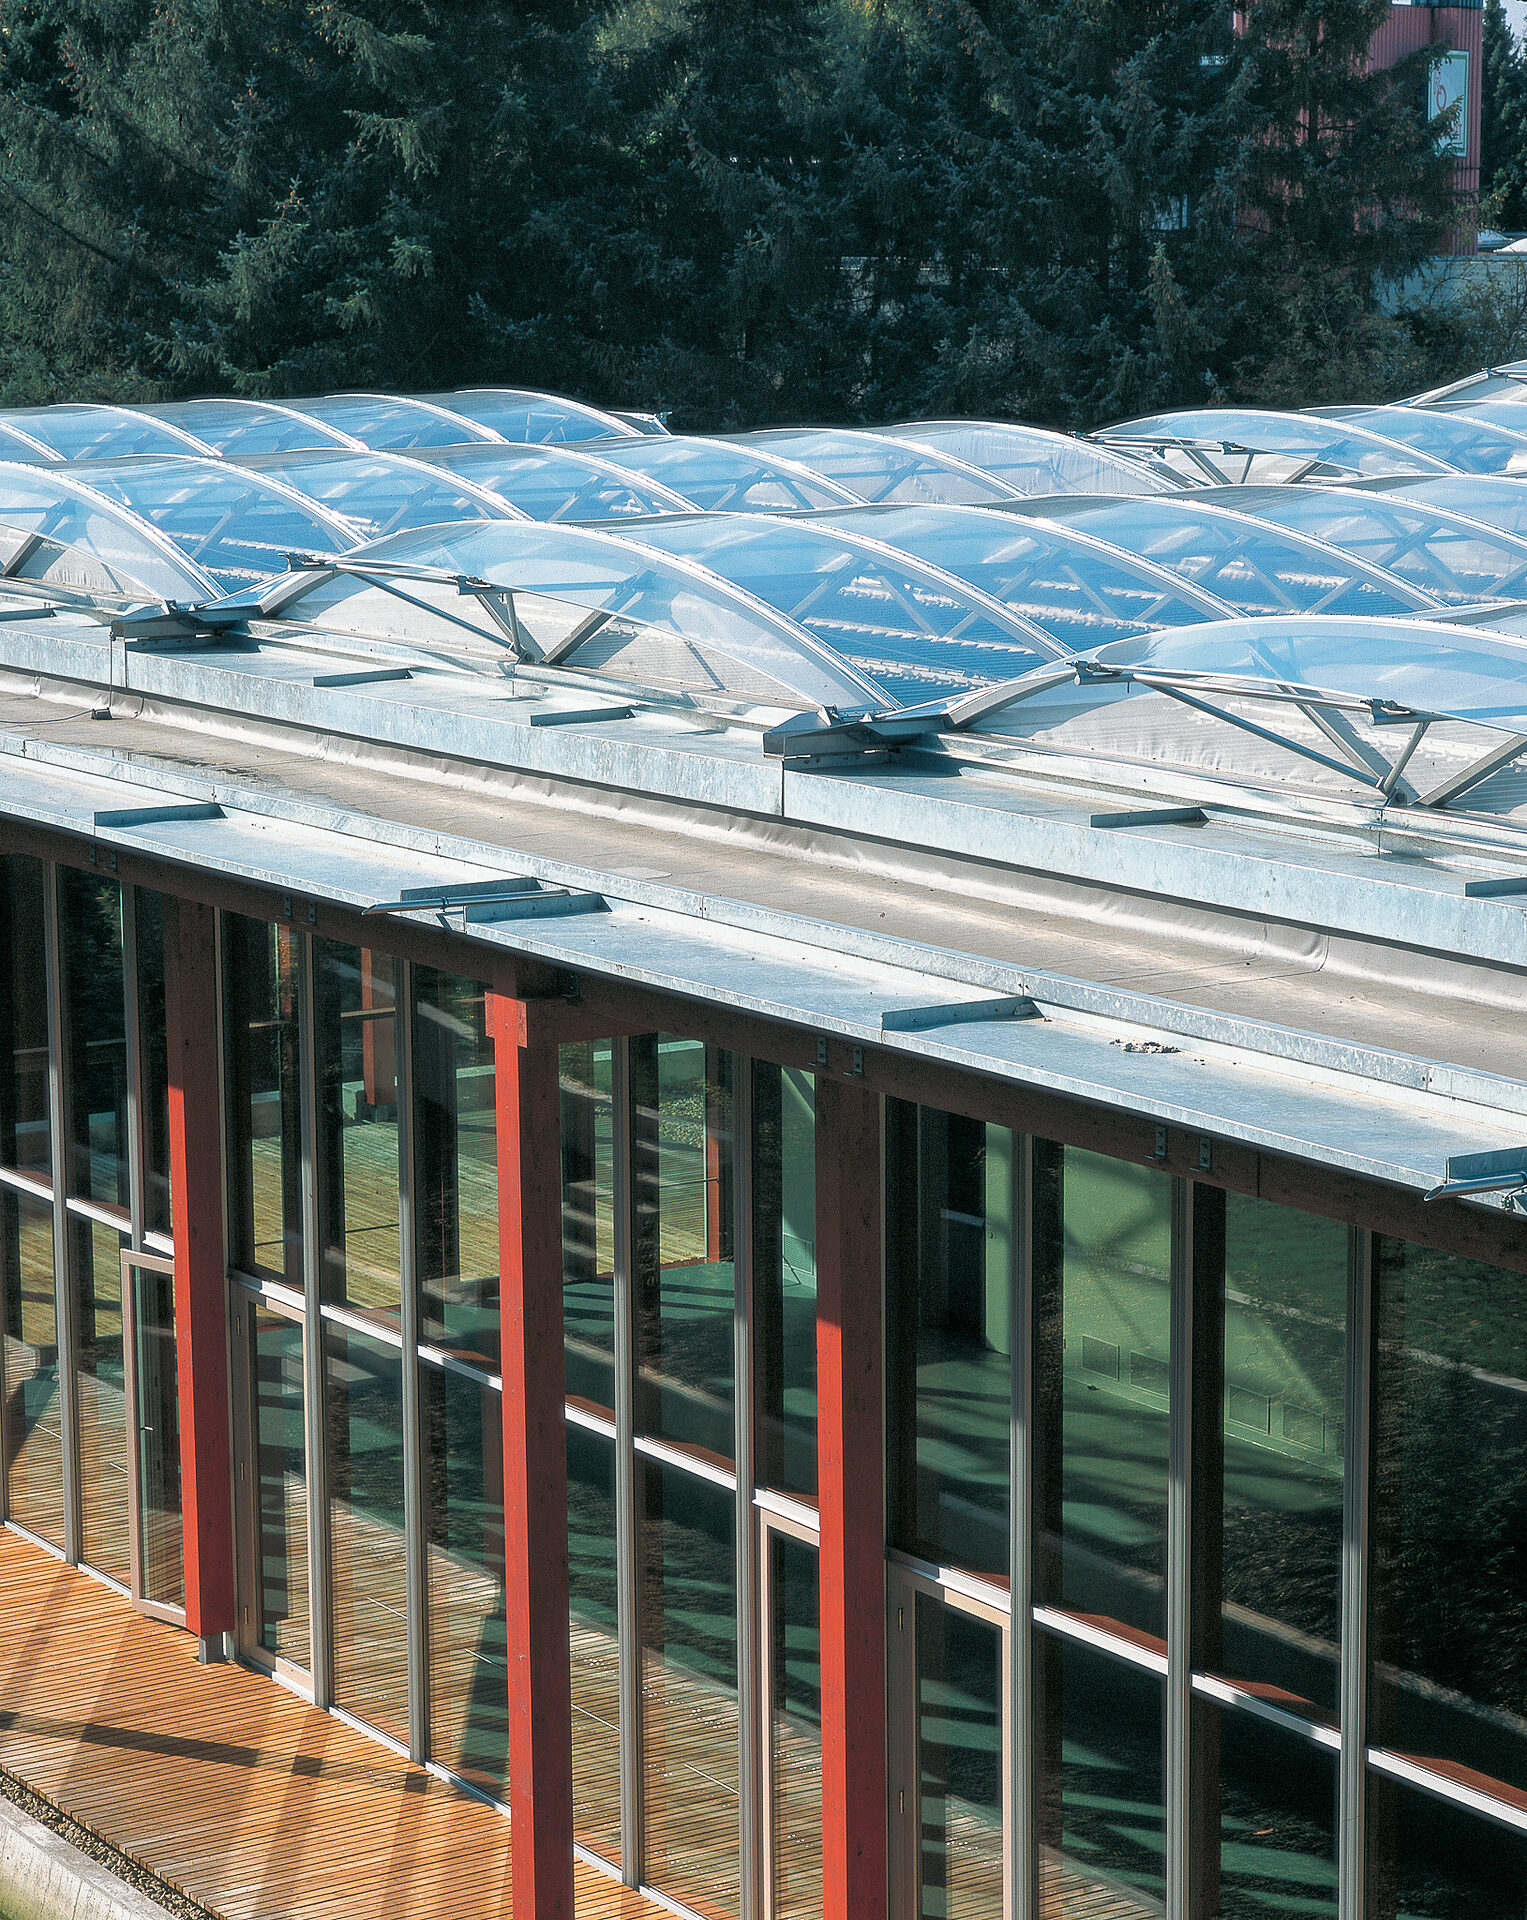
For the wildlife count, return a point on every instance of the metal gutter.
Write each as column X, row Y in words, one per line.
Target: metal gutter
column 925, row 804
column 1393, row 1118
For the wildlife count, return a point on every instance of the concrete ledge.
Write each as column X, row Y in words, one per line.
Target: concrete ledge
column 43, row 1877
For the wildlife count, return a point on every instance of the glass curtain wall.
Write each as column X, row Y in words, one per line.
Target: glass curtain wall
column 83, row 987
column 1128, row 1274
column 31, row 1424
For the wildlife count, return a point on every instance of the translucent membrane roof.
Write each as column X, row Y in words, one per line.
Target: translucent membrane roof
column 1493, row 500
column 1475, row 677
column 73, row 536
column 595, row 480
column 1032, row 460
column 1077, row 589
column 1454, row 558
column 514, row 413
column 876, row 467
column 580, row 598
column 736, row 604
column 1369, row 710
column 379, row 493
column 1503, row 411
column 1464, row 441
column 1316, row 438
column 97, row 433
column 1506, row 382
column 1246, row 563
column 235, row 427
column 721, row 476
column 909, row 622
column 228, row 526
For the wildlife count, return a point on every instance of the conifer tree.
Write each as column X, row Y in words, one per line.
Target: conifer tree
column 1503, row 136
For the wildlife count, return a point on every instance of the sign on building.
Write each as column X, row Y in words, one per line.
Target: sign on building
column 1447, row 87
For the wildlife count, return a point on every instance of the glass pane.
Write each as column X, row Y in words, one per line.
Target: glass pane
column 553, row 486
column 32, row 1436
column 594, row 1640
column 681, row 1153
column 464, row 1534
column 1101, row 1812
column 1449, row 1523
column 1277, row 1851
column 795, row 1730
column 689, row 1781
column 95, row 1028
column 1431, row 1861
column 959, row 1764
column 1102, row 1272
column 785, row 1275
column 153, row 1060
column 101, row 1389
column 25, row 1140
column 260, row 965
column 588, row 1221
column 281, row 1486
column 456, row 1164
column 355, row 1037
column 949, row 1183
column 232, row 524
column 1285, row 1386
column 364, row 1412
column 157, row 1390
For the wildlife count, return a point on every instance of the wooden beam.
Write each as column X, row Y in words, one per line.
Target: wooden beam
column 851, row 1488
column 535, row 1458
column 201, row 1316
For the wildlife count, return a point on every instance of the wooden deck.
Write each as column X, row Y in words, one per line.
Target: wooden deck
column 225, row 1784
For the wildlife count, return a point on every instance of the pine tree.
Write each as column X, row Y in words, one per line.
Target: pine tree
column 1503, row 139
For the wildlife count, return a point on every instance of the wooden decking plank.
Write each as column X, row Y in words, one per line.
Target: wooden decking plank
column 228, row 1785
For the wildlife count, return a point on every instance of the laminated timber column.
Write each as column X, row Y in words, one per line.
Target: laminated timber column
column 201, row 1338
column 535, row 1458
column 851, row 1482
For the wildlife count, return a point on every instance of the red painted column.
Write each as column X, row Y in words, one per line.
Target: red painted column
column 851, row 1488
column 535, row 1460
column 201, row 1337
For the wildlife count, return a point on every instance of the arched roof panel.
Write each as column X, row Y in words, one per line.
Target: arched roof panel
column 235, row 526
column 914, row 624
column 1249, row 564
column 388, row 424
column 1455, row 559
column 720, row 476
column 515, row 413
column 559, row 482
column 1036, row 461
column 101, row 433
column 1305, row 436
column 1470, row 444
column 878, row 469
column 1077, row 589
column 585, row 598
column 234, row 428
column 1493, row 500
column 58, row 508
column 381, row 493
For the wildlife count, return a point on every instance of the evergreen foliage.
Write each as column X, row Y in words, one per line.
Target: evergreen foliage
column 748, row 212
column 1503, row 141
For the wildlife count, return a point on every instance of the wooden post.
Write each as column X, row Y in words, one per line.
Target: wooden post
column 201, row 1319
column 851, row 1470
column 535, row 1459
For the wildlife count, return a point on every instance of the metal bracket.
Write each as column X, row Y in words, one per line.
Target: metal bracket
column 1469, row 1173
column 153, row 816
column 515, row 897
column 1013, row 1006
